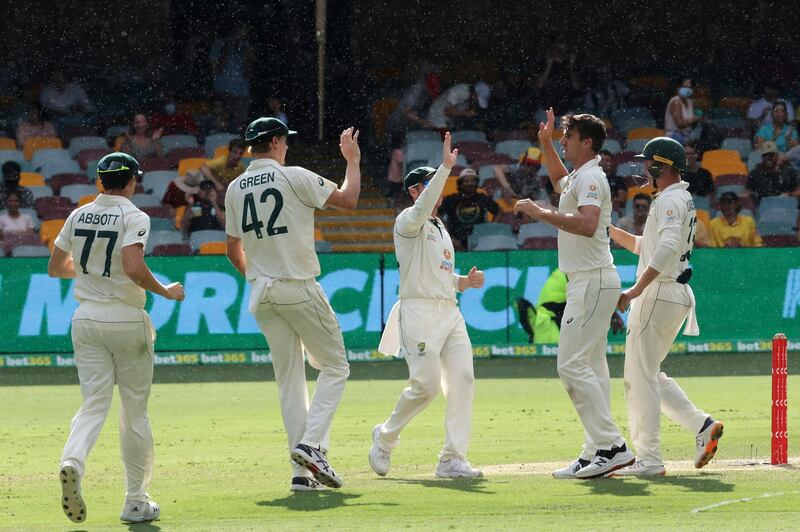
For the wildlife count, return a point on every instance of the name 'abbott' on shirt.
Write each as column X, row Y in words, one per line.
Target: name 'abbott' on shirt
column 100, row 219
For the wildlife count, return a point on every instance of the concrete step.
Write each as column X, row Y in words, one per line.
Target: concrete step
column 363, row 248
column 357, row 236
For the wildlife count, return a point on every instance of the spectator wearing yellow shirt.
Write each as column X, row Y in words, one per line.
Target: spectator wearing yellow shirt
column 731, row 229
column 225, row 168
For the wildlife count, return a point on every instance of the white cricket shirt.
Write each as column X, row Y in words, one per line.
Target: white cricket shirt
column 423, row 247
column 586, row 185
column 270, row 208
column 95, row 235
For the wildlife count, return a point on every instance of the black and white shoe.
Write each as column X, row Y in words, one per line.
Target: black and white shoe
column 569, row 471
column 71, row 499
column 305, row 484
column 605, row 461
column 315, row 461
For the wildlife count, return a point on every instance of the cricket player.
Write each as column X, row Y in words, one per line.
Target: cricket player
column 582, row 219
column 426, row 326
column 270, row 227
column 660, row 302
column 111, row 333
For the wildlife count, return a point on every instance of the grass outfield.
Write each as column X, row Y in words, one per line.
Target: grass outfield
column 221, row 462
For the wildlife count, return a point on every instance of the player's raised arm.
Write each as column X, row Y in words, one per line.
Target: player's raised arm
column 555, row 168
column 346, row 197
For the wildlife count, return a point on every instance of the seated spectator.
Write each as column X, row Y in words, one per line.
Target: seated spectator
column 11, row 175
column 619, row 190
column 634, row 224
column 520, row 180
column 557, row 83
column 35, row 124
column 204, row 210
column 182, row 188
column 607, row 96
column 731, row 229
column 759, row 112
column 700, row 181
column 680, row 121
column 143, row 144
column 466, row 208
column 779, row 130
column 772, row 177
column 455, row 108
column 505, row 113
column 14, row 223
column 410, row 112
column 225, row 168
column 701, row 238
column 61, row 97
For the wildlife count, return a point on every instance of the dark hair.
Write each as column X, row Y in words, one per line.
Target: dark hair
column 588, row 126
column 782, row 103
column 236, row 143
column 605, row 152
column 206, row 185
column 643, row 196
column 116, row 180
column 11, row 166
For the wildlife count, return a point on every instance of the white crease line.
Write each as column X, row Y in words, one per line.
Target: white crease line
column 745, row 499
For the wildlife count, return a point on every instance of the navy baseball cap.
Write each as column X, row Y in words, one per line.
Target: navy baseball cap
column 417, row 176
column 264, row 128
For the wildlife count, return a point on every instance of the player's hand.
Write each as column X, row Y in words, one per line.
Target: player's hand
column 528, row 208
column 175, row 291
column 449, row 158
column 625, row 298
column 348, row 143
column 546, row 128
column 617, row 325
column 475, row 278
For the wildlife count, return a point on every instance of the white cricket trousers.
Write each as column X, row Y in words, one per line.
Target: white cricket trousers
column 653, row 324
column 294, row 315
column 109, row 352
column 437, row 349
column 582, row 366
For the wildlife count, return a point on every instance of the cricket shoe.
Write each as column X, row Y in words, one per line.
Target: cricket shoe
column 306, row 484
column 457, row 467
column 605, row 461
column 379, row 456
column 569, row 471
column 706, row 442
column 315, row 461
column 71, row 499
column 140, row 511
column 639, row 469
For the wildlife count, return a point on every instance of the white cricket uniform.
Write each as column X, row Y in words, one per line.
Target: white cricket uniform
column 270, row 208
column 654, row 322
column 112, row 335
column 426, row 326
column 592, row 292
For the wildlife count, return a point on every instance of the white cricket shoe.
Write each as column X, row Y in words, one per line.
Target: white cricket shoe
column 71, row 499
column 457, row 467
column 569, row 471
column 140, row 511
column 379, row 456
column 706, row 443
column 313, row 459
column 306, row 484
column 605, row 461
column 639, row 469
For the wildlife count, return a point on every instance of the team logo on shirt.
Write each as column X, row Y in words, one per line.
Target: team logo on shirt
column 592, row 194
column 421, row 348
column 142, row 232
column 447, row 254
column 431, row 235
column 593, row 188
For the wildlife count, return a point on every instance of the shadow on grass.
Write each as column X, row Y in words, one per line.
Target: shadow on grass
column 143, row 527
column 709, row 483
column 318, row 500
column 471, row 485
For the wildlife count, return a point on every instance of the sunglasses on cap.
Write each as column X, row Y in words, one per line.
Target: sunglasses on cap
column 112, row 166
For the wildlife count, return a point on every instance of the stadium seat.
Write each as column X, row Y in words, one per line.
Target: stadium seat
column 630, row 169
column 59, row 180
column 318, row 234
column 179, row 212
column 198, row 238
column 485, row 172
column 40, row 192
column 45, row 156
column 30, row 251
column 78, row 144
column 212, row 248
column 176, row 155
column 160, row 238
column 636, row 145
column 34, row 144
column 12, row 240
column 723, row 112
column 753, row 160
column 777, row 227
column 436, row 160
column 719, row 162
column 740, row 103
column 495, row 243
column 31, row 179
column 85, row 200
column 381, row 110
column 450, row 186
column 84, row 157
column 113, row 131
column 156, row 183
column 49, row 231
column 154, row 164
column 512, row 148
column 781, row 241
column 171, row 250
column 191, row 165
column 736, row 188
column 770, row 203
column 320, row 246
column 700, row 202
column 13, row 155
column 461, row 136
column 474, row 150
column 421, row 151
column 536, row 230
column 489, row 229
column 49, row 169
column 612, row 145
column 425, row 135
column 220, row 151
column 7, row 143
column 645, row 133
column 743, row 146
column 540, row 243
column 146, row 200
column 218, row 140
column 730, row 179
column 171, row 142
column 76, row 192
column 489, row 158
column 726, row 124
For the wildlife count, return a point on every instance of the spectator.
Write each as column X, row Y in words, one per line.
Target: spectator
column 466, row 208
column 778, row 130
column 634, row 224
column 14, row 224
column 179, row 190
column 204, row 211
column 759, row 112
column 557, row 83
column 409, row 113
column 225, row 168
column 143, row 144
column 35, row 124
column 731, row 229
column 607, row 95
column 520, row 180
column 619, row 190
column 61, row 97
column 231, row 57
column 454, row 108
column 680, row 120
column 276, row 110
column 772, row 177
column 504, row 113
column 700, row 181
column 11, row 174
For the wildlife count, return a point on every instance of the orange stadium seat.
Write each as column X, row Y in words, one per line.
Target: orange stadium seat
column 219, row 151
column 740, row 103
column 179, row 212
column 212, row 248
column 647, row 189
column 86, row 199
column 49, row 230
column 31, row 179
column 646, row 133
column 450, row 186
column 318, row 234
column 191, row 164
column 380, row 115
column 726, row 167
column 7, row 144
column 34, row 144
